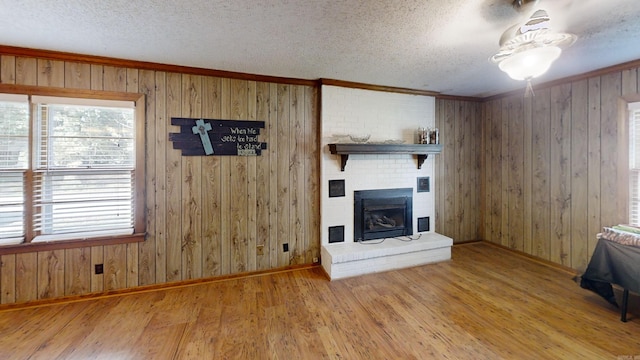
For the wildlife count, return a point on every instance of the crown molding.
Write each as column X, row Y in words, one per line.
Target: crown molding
column 145, row 65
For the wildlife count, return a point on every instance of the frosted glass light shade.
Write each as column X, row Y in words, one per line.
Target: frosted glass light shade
column 530, row 63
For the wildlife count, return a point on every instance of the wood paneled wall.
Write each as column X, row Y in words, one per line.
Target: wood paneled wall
column 457, row 169
column 553, row 167
column 539, row 175
column 206, row 216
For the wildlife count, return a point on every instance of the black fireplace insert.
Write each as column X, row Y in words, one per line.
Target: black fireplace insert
column 382, row 213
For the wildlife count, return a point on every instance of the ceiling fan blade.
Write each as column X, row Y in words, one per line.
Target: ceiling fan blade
column 521, row 4
column 538, row 21
column 535, row 32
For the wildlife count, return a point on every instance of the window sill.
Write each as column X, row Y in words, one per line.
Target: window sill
column 70, row 244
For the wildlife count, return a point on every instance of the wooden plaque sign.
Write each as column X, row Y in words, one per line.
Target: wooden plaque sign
column 217, row 137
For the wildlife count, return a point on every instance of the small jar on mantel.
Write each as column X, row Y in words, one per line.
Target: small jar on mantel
column 422, row 133
column 434, row 136
column 428, row 136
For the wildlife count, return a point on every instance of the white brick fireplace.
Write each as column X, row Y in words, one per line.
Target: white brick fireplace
column 385, row 116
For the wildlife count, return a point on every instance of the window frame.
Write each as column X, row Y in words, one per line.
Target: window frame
column 139, row 233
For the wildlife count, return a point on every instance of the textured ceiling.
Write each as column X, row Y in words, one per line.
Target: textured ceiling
column 434, row 45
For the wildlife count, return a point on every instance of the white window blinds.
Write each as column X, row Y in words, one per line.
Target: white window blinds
column 634, row 164
column 14, row 159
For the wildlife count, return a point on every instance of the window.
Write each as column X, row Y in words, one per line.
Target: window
column 70, row 169
column 14, row 160
column 634, row 163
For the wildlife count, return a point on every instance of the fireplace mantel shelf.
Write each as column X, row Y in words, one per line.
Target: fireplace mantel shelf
column 422, row 151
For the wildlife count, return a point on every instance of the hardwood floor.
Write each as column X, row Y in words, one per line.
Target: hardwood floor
column 487, row 303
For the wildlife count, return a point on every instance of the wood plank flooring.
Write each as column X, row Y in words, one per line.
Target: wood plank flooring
column 487, row 303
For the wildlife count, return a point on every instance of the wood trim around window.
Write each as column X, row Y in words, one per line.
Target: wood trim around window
column 70, row 244
column 68, row 92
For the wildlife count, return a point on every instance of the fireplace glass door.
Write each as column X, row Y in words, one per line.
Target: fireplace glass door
column 382, row 213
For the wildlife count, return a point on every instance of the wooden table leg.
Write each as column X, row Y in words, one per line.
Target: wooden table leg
column 625, row 301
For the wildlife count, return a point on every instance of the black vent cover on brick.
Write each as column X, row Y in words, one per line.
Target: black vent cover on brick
column 336, row 234
column 423, row 224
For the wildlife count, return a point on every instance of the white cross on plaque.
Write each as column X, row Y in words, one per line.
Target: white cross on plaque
column 201, row 129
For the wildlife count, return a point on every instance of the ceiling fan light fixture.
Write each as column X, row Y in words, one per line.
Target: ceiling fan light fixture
column 530, row 63
column 528, row 49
